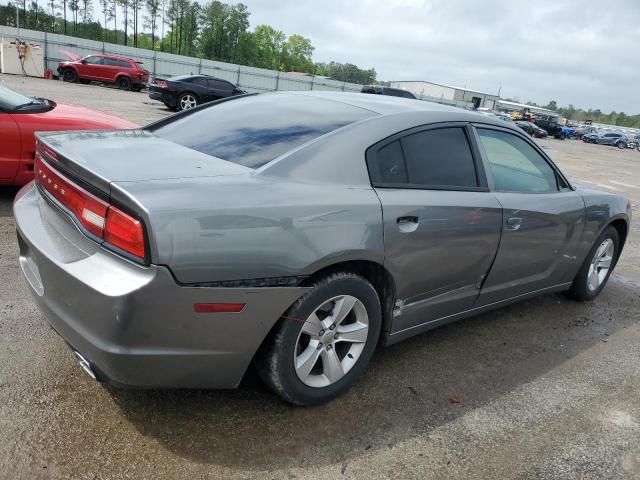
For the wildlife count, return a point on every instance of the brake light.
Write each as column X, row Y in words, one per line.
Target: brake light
column 89, row 210
column 124, row 232
column 161, row 83
column 104, row 221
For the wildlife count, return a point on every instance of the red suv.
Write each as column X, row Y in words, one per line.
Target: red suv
column 128, row 74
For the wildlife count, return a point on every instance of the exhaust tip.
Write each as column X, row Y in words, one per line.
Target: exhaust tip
column 86, row 366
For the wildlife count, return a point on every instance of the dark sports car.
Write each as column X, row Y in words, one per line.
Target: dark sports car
column 188, row 91
column 532, row 129
column 296, row 232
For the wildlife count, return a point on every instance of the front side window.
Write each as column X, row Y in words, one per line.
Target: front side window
column 93, row 60
column 515, row 165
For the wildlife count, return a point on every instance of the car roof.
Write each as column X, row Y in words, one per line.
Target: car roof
column 388, row 105
column 195, row 75
column 116, row 57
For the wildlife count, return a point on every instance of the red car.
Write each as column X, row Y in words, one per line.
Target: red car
column 21, row 117
column 126, row 73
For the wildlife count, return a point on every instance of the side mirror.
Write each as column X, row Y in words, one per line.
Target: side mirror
column 83, row 61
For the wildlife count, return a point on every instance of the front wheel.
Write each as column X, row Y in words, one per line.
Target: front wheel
column 324, row 341
column 597, row 267
column 70, row 75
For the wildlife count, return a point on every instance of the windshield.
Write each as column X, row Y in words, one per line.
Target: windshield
column 254, row 130
column 10, row 100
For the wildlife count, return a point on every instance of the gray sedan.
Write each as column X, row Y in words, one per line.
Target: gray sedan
column 297, row 232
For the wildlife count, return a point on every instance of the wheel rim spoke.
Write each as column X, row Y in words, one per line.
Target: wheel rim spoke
column 312, row 325
column 594, row 280
column 331, row 366
column 342, row 309
column 354, row 333
column 605, row 262
column 307, row 360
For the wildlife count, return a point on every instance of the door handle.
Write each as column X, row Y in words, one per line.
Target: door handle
column 408, row 224
column 513, row 224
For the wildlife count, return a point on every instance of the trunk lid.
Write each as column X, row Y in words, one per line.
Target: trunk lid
column 100, row 157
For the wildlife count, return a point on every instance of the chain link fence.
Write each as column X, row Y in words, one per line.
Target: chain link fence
column 162, row 64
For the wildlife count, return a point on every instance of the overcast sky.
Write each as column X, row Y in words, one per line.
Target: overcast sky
column 573, row 51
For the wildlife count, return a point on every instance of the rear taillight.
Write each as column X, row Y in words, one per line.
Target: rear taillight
column 161, row 83
column 124, row 232
column 103, row 221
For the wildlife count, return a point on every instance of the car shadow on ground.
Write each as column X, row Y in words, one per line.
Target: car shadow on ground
column 7, row 194
column 410, row 388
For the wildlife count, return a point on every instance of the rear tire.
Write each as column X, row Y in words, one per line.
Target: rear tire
column 69, row 75
column 621, row 145
column 597, row 267
column 187, row 101
column 124, row 83
column 323, row 342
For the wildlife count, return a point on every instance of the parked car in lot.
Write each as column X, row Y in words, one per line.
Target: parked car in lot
column 553, row 127
column 124, row 72
column 296, row 232
column 188, row 91
column 532, row 129
column 585, row 130
column 610, row 138
column 394, row 92
column 22, row 116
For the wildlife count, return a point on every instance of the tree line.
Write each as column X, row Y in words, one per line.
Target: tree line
column 570, row 112
column 213, row 30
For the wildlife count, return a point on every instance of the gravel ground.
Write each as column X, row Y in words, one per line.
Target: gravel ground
column 544, row 389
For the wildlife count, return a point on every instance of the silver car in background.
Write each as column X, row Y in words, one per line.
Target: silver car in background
column 296, row 232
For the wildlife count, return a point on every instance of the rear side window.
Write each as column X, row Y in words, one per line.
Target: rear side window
column 199, row 81
column 391, row 164
column 436, row 158
column 440, row 157
column 219, row 84
column 252, row 131
column 114, row 62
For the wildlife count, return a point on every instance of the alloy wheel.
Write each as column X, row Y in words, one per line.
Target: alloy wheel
column 331, row 341
column 187, row 102
column 600, row 264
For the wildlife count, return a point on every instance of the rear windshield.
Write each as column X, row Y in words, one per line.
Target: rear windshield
column 252, row 131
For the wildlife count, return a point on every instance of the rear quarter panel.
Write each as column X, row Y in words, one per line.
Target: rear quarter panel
column 247, row 227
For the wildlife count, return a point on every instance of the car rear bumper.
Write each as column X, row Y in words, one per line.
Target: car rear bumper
column 164, row 97
column 134, row 325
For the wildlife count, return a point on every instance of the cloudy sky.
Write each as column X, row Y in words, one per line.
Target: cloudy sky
column 579, row 52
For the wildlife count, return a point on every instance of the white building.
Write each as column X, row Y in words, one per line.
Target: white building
column 507, row 106
column 436, row 91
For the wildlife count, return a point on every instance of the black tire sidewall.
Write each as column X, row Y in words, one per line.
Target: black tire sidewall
column 69, row 75
column 124, row 83
column 580, row 289
column 340, row 284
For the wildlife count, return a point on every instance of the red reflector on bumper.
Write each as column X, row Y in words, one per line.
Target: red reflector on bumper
column 218, row 307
